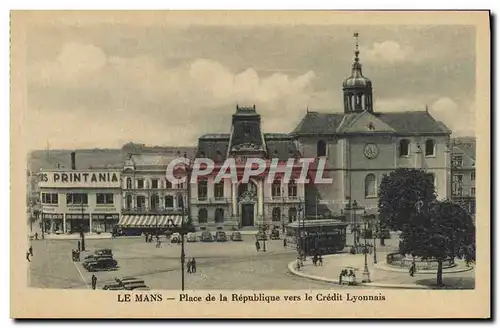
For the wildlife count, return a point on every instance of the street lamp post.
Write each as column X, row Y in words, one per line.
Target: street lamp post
column 82, row 233
column 366, row 272
column 374, row 232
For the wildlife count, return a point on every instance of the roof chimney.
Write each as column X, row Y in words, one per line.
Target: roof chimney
column 73, row 161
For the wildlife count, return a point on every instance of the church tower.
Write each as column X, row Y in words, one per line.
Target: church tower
column 357, row 88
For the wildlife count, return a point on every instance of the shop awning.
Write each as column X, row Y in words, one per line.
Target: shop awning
column 148, row 221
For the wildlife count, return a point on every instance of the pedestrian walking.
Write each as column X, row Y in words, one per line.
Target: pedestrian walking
column 320, row 258
column 28, row 256
column 413, row 268
column 31, row 250
column 79, row 246
column 146, row 236
column 315, row 259
column 193, row 265
column 284, row 242
column 36, row 235
column 94, row 282
column 150, row 238
column 257, row 245
column 189, row 266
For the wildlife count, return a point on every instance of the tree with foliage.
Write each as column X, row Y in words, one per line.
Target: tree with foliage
column 429, row 228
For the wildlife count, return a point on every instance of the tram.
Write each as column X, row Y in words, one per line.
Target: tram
column 309, row 236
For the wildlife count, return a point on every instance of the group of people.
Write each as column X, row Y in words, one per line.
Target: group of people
column 317, row 259
column 29, row 253
column 75, row 255
column 191, row 266
column 149, row 239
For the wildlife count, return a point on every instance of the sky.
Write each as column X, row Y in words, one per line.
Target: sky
column 103, row 85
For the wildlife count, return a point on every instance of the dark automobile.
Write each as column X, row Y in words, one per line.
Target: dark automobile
column 113, row 286
column 132, row 282
column 220, row 236
column 100, row 263
column 121, row 280
column 104, row 251
column 135, row 286
column 236, row 236
column 206, row 236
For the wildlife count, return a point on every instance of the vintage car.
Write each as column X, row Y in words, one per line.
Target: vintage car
column 132, row 282
column 104, row 251
column 126, row 278
column 236, row 236
column 206, row 236
column 113, row 286
column 191, row 237
column 100, row 263
column 175, row 238
column 135, row 286
column 220, row 236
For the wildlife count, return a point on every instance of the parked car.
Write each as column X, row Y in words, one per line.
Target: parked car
column 104, row 251
column 191, row 237
column 206, row 236
column 220, row 236
column 113, row 286
column 236, row 236
column 135, row 286
column 132, row 282
column 120, row 280
column 100, row 263
column 175, row 238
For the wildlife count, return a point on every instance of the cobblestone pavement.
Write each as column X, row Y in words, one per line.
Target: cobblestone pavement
column 228, row 265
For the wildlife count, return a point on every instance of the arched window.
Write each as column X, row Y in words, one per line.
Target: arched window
column 180, row 201
column 429, row 147
column 155, row 202
column 202, row 190
column 321, row 148
column 404, row 148
column 141, row 202
column 219, row 215
column 370, row 189
column 292, row 214
column 219, row 190
column 292, row 189
column 202, row 215
column 276, row 188
column 128, row 202
column 169, row 202
column 276, row 214
column 129, row 183
column 168, row 184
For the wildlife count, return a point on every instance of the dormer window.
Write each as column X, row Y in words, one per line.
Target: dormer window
column 321, row 148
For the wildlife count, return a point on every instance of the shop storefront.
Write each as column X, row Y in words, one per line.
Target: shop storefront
column 54, row 222
column 76, row 222
column 104, row 222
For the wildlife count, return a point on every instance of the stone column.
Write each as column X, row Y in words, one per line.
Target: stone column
column 234, row 199
column 64, row 223
column 260, row 198
column 90, row 223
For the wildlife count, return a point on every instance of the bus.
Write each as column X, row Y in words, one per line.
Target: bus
column 309, row 236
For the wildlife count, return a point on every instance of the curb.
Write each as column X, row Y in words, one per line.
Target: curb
column 336, row 282
column 385, row 267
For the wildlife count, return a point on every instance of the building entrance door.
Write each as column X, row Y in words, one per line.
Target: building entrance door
column 247, row 215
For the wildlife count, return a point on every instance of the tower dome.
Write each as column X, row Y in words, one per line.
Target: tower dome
column 357, row 89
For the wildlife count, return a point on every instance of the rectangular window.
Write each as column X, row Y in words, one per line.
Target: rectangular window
column 473, row 176
column 457, row 190
column 154, row 184
column 202, row 190
column 458, row 178
column 219, row 190
column 473, row 191
column 50, row 198
column 104, row 199
column 76, row 199
column 140, row 184
column 141, row 201
column 457, row 161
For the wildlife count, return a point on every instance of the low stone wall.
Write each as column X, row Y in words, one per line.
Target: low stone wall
column 400, row 261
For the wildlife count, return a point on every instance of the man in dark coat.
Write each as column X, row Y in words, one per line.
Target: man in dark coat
column 31, row 250
column 193, row 265
column 94, row 281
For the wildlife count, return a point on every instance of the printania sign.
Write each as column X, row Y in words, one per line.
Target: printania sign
column 70, row 179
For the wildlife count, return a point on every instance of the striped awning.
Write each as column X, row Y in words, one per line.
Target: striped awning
column 148, row 221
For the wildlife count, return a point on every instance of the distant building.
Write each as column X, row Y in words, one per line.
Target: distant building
column 79, row 200
column 149, row 200
column 463, row 172
column 258, row 202
column 361, row 144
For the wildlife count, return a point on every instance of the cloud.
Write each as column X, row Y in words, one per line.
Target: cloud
column 93, row 98
column 388, row 52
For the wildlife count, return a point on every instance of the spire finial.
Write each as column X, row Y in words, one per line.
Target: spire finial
column 356, row 52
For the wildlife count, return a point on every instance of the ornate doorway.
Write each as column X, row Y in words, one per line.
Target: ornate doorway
column 247, row 198
column 247, row 215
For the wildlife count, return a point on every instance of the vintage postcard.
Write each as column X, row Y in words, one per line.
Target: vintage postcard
column 250, row 164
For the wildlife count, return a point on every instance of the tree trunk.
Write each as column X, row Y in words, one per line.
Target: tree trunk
column 440, row 273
